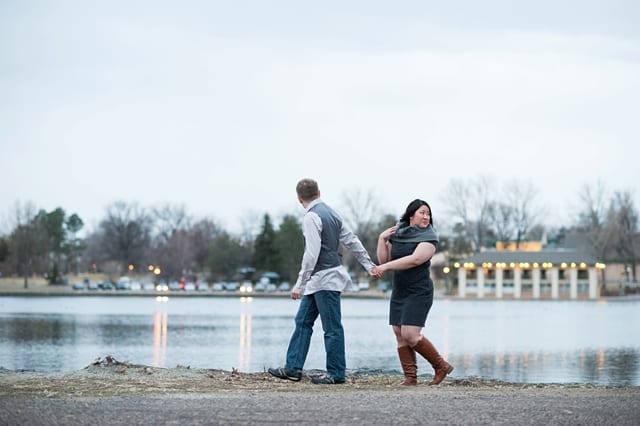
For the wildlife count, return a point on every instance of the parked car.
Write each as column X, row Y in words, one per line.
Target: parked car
column 106, row 285
column 135, row 286
column 284, row 286
column 148, row 286
column 363, row 285
column 217, row 286
column 190, row 287
column 79, row 286
column 123, row 285
column 384, row 286
column 231, row 286
column 246, row 287
column 202, row 286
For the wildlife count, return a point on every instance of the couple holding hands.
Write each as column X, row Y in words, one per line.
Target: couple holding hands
column 406, row 249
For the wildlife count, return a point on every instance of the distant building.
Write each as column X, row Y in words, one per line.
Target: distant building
column 531, row 274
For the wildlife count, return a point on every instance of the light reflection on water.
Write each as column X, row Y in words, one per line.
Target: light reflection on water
column 518, row 341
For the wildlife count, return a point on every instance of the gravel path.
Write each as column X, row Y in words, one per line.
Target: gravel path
column 416, row 406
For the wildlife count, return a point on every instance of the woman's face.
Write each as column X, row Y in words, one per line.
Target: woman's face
column 421, row 218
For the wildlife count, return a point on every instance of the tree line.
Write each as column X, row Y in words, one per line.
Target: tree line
column 471, row 215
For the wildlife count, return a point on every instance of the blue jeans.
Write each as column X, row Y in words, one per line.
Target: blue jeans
column 327, row 305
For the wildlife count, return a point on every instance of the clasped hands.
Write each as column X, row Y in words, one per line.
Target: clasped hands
column 377, row 271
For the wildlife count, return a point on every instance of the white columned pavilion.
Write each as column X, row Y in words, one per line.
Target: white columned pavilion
column 480, row 278
column 499, row 283
column 555, row 283
column 535, row 275
column 541, row 268
column 573, row 283
column 517, row 283
column 462, row 282
column 593, row 283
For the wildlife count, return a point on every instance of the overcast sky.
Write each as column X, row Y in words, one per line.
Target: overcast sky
column 222, row 106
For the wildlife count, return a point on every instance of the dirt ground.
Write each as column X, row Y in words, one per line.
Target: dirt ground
column 114, row 393
column 110, row 377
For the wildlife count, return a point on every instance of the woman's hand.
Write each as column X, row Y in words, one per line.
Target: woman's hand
column 383, row 250
column 387, row 233
column 377, row 271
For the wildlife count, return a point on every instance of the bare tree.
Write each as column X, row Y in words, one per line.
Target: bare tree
column 361, row 211
column 175, row 256
column 169, row 219
column 502, row 219
column 126, row 233
column 593, row 208
column 521, row 197
column 470, row 203
column 592, row 218
column 250, row 227
column 623, row 220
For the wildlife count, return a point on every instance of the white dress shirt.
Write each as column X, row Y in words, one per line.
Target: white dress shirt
column 333, row 279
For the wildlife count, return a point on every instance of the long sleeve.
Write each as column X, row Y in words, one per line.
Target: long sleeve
column 355, row 246
column 311, row 229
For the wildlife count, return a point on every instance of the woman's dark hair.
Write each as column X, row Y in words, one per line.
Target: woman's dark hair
column 413, row 207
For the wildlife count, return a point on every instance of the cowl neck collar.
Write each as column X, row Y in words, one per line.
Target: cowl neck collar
column 413, row 234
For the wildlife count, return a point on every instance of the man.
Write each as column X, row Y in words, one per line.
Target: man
column 321, row 281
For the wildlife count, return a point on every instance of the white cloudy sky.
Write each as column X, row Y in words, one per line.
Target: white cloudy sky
column 221, row 106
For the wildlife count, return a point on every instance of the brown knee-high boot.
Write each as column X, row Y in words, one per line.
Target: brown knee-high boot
column 409, row 365
column 429, row 352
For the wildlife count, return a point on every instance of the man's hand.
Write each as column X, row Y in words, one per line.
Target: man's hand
column 296, row 293
column 376, row 272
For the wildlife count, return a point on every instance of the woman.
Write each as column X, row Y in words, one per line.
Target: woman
column 407, row 249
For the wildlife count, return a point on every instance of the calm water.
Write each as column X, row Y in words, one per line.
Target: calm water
column 520, row 341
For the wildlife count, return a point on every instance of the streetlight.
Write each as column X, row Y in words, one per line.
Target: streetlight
column 446, row 271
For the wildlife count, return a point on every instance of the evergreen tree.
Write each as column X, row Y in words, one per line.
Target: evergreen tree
column 289, row 244
column 226, row 256
column 265, row 255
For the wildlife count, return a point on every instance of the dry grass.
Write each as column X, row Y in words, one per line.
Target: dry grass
column 109, row 377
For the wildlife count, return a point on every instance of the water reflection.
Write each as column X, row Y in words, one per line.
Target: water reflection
column 244, row 354
column 160, row 327
column 613, row 367
column 538, row 342
column 54, row 330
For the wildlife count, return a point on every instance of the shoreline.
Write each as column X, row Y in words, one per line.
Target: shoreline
column 65, row 292
column 117, row 393
column 110, row 377
column 39, row 289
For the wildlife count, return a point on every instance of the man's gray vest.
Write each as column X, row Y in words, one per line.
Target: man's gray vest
column 329, row 256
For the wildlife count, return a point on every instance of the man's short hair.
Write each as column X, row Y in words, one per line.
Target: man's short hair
column 307, row 189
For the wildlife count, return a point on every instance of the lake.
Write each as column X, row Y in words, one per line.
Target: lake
column 595, row 342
